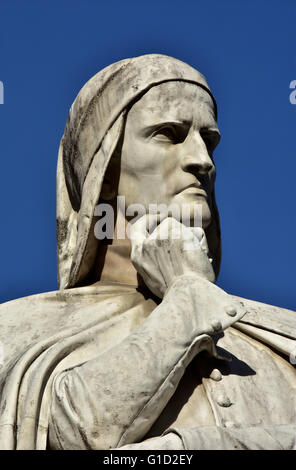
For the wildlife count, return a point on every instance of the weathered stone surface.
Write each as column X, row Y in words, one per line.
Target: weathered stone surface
column 139, row 349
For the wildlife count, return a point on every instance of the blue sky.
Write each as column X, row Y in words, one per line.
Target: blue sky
column 246, row 49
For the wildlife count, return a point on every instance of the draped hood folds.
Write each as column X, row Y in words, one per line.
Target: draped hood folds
column 93, row 129
column 44, row 335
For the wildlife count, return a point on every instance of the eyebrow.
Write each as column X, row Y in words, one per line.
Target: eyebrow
column 172, row 122
column 168, row 122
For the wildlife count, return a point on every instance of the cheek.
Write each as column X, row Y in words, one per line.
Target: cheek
column 129, row 187
column 147, row 171
column 141, row 158
column 170, row 169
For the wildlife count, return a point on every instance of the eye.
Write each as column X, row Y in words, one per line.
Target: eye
column 166, row 134
column 170, row 133
column 210, row 138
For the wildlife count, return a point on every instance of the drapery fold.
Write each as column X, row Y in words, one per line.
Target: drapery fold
column 113, row 312
column 93, row 130
column 73, row 328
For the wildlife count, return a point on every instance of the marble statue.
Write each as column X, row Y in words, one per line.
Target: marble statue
column 139, row 349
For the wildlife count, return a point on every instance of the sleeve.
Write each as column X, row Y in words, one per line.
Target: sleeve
column 113, row 400
column 282, row 437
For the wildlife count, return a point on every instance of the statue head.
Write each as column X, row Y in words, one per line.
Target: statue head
column 143, row 128
column 167, row 153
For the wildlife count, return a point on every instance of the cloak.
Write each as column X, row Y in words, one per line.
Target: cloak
column 46, row 336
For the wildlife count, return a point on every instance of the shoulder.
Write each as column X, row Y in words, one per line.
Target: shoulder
column 28, row 307
column 50, row 301
column 28, row 320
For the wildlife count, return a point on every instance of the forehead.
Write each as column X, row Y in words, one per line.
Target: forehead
column 174, row 101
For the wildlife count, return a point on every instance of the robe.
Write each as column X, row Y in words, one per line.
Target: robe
column 247, row 388
column 240, row 380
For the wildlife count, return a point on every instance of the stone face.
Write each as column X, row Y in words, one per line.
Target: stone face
column 149, row 353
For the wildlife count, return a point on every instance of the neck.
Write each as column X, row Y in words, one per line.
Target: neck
column 113, row 262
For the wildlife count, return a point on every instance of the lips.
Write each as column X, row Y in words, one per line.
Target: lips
column 194, row 189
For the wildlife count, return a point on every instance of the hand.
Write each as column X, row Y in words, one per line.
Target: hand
column 170, row 441
column 170, row 250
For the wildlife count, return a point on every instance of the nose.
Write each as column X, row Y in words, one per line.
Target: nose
column 194, row 155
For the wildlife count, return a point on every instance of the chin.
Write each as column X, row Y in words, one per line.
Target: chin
column 206, row 216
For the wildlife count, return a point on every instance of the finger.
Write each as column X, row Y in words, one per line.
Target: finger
column 155, row 220
column 161, row 230
column 204, row 244
column 169, row 228
column 198, row 233
column 137, row 231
